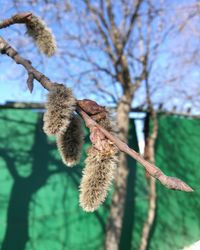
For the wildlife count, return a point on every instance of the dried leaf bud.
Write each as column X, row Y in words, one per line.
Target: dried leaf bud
column 42, row 35
column 60, row 106
column 97, row 177
column 70, row 142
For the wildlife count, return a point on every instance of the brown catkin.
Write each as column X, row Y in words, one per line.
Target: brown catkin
column 70, row 142
column 60, row 106
column 42, row 35
column 97, row 177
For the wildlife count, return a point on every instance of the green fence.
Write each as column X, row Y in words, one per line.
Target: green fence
column 177, row 222
column 178, row 214
column 39, row 207
column 39, row 195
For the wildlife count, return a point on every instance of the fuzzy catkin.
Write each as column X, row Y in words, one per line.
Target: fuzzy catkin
column 60, row 106
column 97, row 177
column 108, row 123
column 70, row 142
column 42, row 35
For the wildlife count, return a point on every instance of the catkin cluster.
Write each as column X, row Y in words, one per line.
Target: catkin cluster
column 97, row 177
column 60, row 107
column 101, row 161
column 42, row 35
column 59, row 120
column 99, row 171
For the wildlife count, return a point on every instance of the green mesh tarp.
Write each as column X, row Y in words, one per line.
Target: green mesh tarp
column 178, row 214
column 177, row 221
column 39, row 197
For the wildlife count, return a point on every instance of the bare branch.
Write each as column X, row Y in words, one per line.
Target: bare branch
column 149, row 155
column 100, row 21
column 169, row 182
column 104, row 90
column 5, row 48
column 18, row 18
column 132, row 21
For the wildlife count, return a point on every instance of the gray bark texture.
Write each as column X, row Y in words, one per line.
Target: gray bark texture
column 117, row 207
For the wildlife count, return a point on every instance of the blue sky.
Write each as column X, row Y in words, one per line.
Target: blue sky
column 13, row 77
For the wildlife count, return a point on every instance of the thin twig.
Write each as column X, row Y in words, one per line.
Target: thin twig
column 169, row 182
column 18, row 18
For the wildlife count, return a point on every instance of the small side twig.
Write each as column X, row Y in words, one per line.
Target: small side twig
column 30, row 82
column 149, row 155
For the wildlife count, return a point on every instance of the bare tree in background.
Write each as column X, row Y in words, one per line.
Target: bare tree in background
column 187, row 26
column 150, row 135
column 129, row 37
column 117, row 43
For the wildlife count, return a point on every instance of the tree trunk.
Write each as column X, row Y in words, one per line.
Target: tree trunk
column 114, row 225
column 149, row 155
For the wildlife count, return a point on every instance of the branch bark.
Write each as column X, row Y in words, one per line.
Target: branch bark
column 149, row 154
column 169, row 182
column 18, row 18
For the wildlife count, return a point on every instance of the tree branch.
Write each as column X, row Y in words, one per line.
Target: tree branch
column 167, row 181
column 93, row 108
column 132, row 21
column 149, row 155
column 18, row 18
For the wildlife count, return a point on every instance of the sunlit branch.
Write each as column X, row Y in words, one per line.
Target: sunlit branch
column 88, row 109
